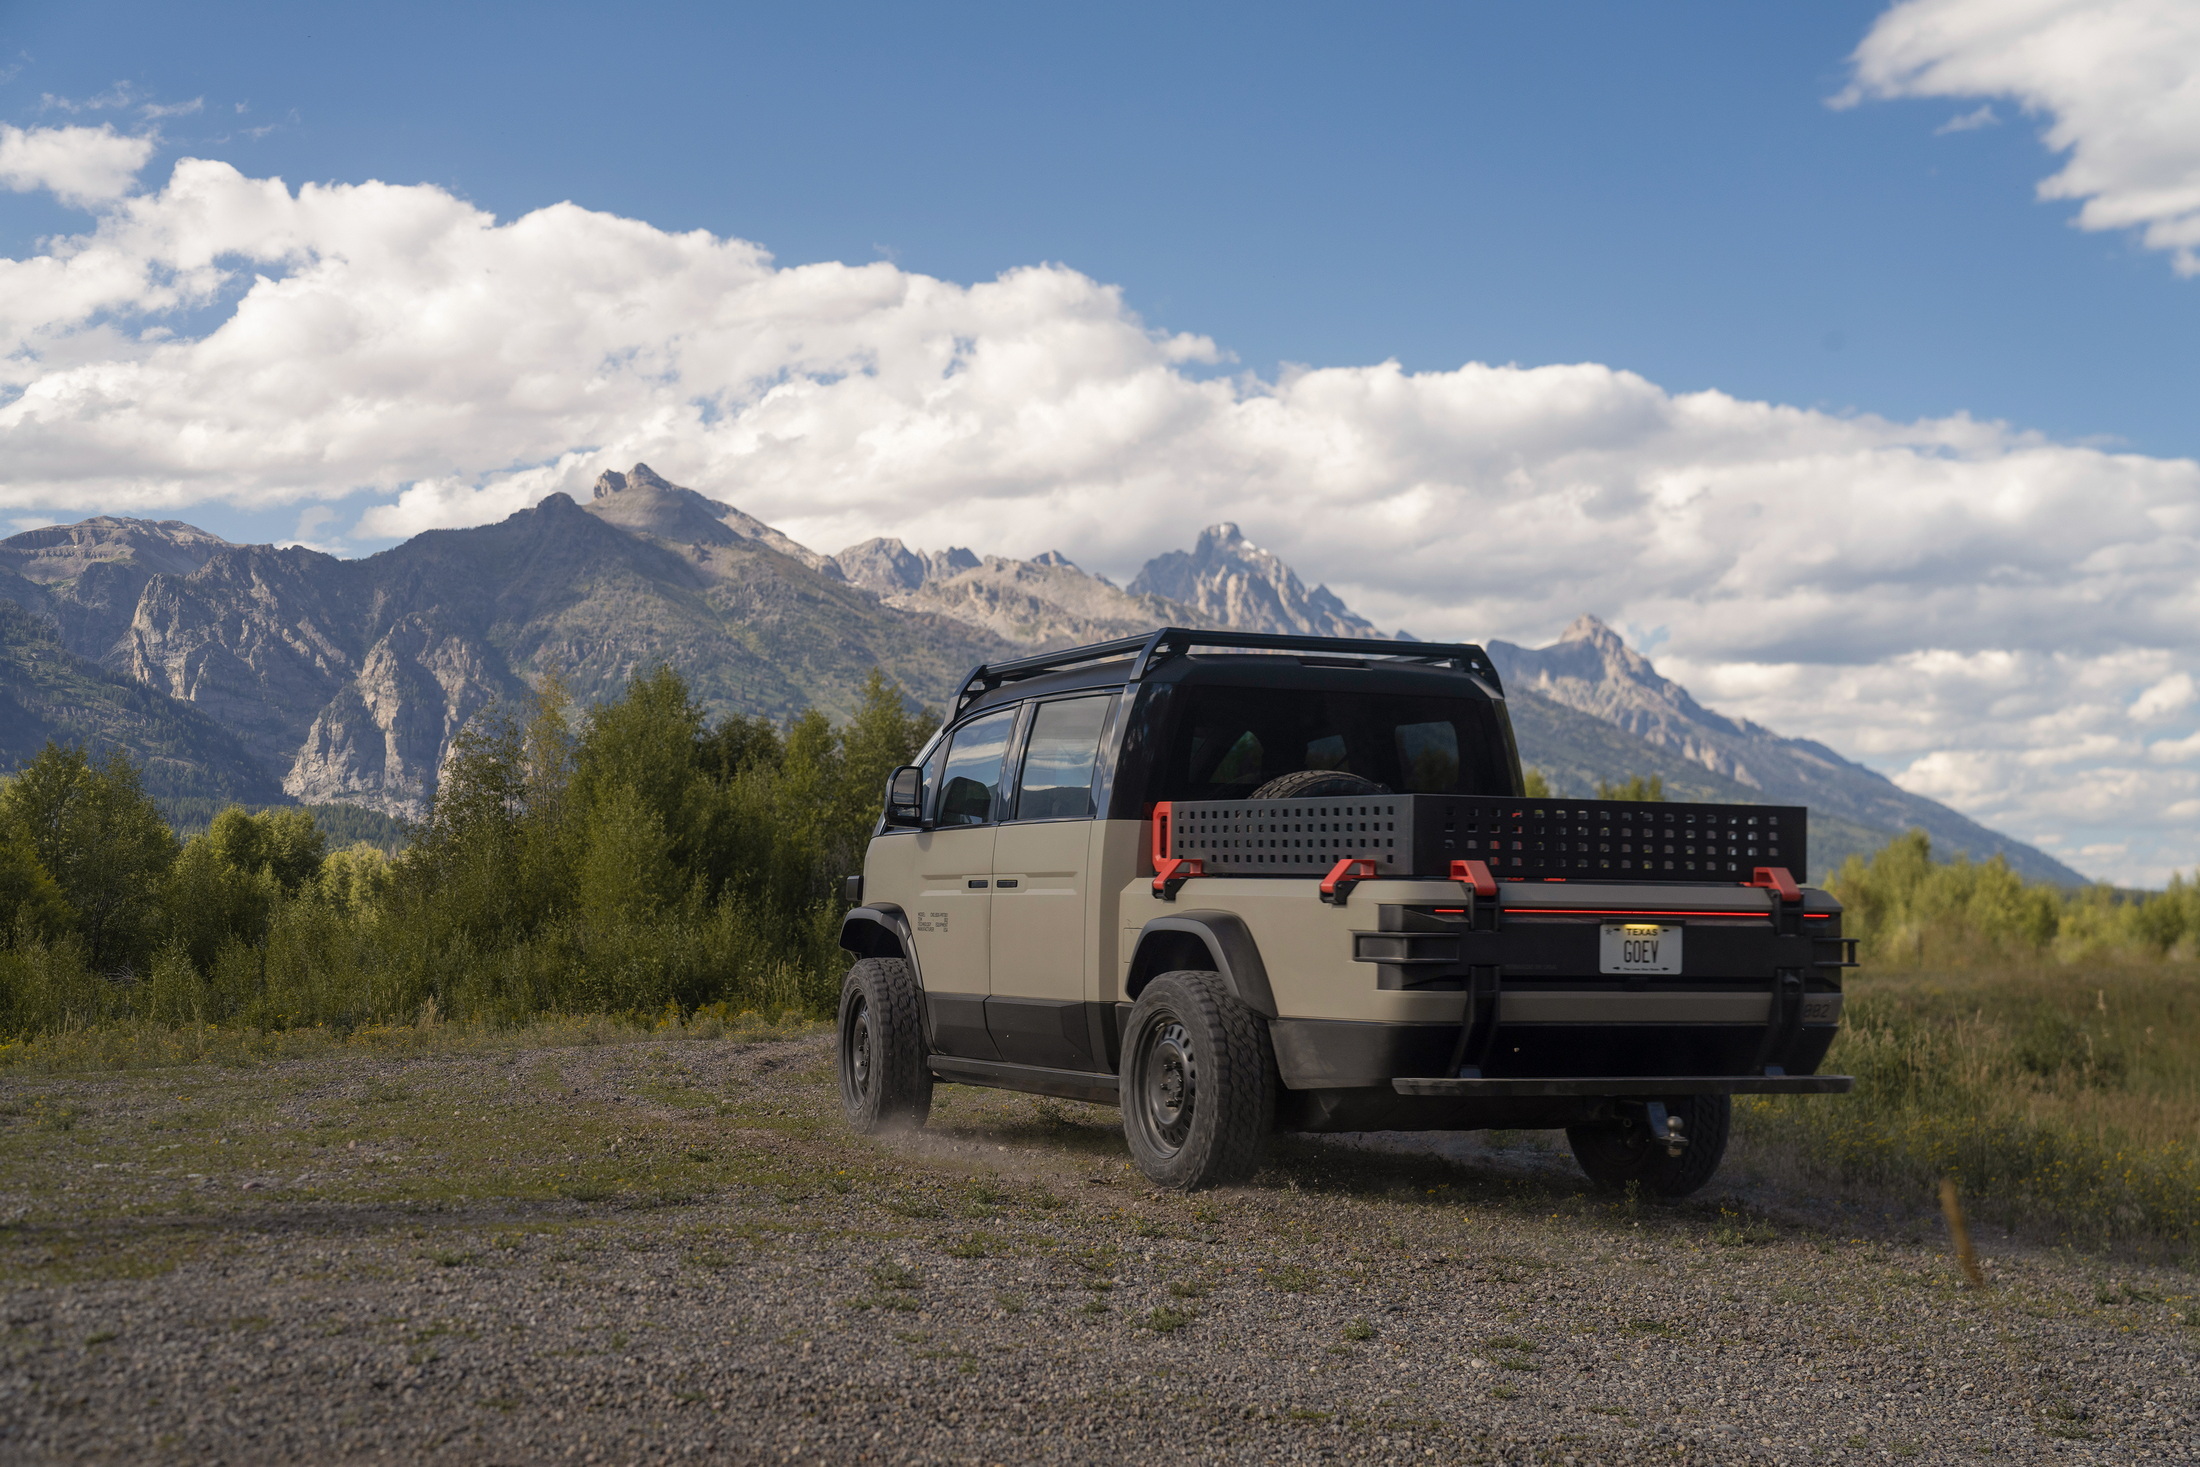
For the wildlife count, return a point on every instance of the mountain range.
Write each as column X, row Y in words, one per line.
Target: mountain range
column 255, row 672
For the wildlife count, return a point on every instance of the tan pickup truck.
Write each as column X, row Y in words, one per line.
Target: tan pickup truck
column 1238, row 883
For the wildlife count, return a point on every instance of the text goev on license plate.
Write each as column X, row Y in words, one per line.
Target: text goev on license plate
column 1639, row 947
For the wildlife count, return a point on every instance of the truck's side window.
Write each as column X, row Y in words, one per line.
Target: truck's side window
column 1065, row 742
column 970, row 792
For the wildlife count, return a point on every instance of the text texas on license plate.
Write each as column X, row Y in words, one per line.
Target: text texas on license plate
column 1639, row 947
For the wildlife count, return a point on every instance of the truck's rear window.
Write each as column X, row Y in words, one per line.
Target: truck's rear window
column 1231, row 741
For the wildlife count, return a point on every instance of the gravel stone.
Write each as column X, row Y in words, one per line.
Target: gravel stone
column 671, row 1250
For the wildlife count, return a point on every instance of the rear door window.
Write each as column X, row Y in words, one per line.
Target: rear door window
column 1058, row 764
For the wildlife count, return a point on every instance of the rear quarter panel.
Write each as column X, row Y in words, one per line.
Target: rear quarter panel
column 1305, row 943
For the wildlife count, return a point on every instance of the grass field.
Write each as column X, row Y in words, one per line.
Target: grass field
column 2062, row 1100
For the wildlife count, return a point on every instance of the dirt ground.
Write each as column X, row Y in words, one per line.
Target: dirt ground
column 510, row 1251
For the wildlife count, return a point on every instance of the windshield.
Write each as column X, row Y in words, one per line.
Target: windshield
column 1231, row 741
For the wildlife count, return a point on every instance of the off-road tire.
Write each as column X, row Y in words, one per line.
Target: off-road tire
column 1198, row 1083
column 885, row 1084
column 1317, row 784
column 1615, row 1153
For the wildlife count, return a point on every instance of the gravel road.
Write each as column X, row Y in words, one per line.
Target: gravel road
column 655, row 1250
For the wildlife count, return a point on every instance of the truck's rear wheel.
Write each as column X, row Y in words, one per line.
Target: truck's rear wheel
column 1617, row 1152
column 1198, row 1083
column 885, row 1084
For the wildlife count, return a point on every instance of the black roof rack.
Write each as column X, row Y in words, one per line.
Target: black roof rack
column 1164, row 642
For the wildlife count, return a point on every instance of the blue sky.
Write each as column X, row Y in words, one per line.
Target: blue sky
column 1872, row 421
column 1658, row 187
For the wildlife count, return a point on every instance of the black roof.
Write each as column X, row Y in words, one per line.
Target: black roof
column 1132, row 659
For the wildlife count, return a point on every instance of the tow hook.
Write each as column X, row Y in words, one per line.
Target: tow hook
column 1667, row 1130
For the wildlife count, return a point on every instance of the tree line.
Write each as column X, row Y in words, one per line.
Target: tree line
column 636, row 857
column 625, row 859
column 1910, row 910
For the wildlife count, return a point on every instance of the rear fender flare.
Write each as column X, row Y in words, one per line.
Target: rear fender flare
column 1231, row 954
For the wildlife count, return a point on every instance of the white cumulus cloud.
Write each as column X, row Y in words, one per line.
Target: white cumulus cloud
column 2117, row 80
column 79, row 165
column 1998, row 619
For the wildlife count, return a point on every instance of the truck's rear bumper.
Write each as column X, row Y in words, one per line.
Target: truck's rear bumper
column 1652, row 1085
column 1335, row 1054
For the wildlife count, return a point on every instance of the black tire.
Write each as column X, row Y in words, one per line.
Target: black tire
column 1198, row 1083
column 1615, row 1153
column 1317, row 784
column 885, row 1084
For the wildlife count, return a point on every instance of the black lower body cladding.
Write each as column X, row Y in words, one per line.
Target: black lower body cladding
column 1381, row 1108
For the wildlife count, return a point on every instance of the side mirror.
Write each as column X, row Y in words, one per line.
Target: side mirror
column 905, row 797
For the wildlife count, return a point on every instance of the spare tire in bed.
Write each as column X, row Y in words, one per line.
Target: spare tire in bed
column 1317, row 784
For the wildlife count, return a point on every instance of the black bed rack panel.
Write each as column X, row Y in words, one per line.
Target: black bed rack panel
column 1421, row 835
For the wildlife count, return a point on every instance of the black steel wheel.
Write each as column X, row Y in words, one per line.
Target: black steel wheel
column 1619, row 1151
column 885, row 1084
column 1198, row 1083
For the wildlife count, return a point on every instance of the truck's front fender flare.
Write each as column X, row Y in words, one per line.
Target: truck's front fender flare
column 1230, row 949
column 880, row 931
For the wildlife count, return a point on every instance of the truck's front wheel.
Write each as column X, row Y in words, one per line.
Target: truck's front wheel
column 1198, row 1083
column 1619, row 1151
column 885, row 1084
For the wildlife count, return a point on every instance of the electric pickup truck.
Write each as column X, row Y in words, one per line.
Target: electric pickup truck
column 1239, row 883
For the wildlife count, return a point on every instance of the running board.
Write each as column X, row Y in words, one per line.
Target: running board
column 1636, row 1085
column 1032, row 1079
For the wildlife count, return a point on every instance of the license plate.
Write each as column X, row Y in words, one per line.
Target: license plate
column 1639, row 947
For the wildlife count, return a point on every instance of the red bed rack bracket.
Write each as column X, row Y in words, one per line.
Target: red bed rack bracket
column 1475, row 877
column 1777, row 879
column 1346, row 874
column 1170, row 872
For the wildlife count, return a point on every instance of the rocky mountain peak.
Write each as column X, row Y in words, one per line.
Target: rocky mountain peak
column 57, row 553
column 883, row 566
column 1587, row 628
column 641, row 476
column 887, row 568
column 1592, row 652
column 952, row 561
column 647, row 503
column 1591, row 667
column 1232, row 582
